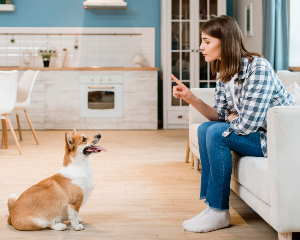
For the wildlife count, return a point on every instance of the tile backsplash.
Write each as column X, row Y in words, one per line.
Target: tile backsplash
column 104, row 50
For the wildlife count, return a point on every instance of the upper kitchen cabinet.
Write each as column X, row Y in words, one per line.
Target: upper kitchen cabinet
column 181, row 38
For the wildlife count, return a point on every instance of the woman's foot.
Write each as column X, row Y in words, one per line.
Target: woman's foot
column 186, row 222
column 211, row 221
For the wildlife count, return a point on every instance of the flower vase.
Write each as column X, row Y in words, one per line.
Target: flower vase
column 46, row 62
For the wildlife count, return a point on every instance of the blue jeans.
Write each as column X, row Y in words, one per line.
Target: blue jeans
column 216, row 160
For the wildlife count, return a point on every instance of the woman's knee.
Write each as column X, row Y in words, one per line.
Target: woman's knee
column 215, row 131
column 202, row 129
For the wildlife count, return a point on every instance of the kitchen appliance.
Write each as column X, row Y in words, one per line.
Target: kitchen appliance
column 105, row 4
column 101, row 96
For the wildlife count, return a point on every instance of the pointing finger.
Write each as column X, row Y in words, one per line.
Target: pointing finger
column 175, row 79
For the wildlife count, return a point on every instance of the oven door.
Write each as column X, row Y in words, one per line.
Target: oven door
column 101, row 100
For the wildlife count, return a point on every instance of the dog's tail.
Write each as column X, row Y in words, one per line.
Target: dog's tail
column 11, row 200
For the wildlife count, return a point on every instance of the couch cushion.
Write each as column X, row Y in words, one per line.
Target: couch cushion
column 287, row 78
column 294, row 90
column 252, row 173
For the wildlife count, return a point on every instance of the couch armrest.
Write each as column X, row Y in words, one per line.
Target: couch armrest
column 284, row 167
column 207, row 96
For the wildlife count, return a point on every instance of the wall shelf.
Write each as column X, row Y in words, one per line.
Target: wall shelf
column 7, row 7
column 114, row 34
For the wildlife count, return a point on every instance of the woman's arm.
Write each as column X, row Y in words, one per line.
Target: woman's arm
column 231, row 117
column 184, row 92
column 207, row 111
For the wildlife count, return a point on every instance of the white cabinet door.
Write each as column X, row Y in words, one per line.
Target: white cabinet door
column 181, row 38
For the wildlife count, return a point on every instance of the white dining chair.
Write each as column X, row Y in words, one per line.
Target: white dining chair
column 25, row 86
column 8, row 96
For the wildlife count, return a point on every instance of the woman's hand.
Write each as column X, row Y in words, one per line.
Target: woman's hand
column 182, row 91
column 231, row 116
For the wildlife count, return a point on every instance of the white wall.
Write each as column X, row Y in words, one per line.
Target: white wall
column 93, row 50
column 294, row 33
column 254, row 43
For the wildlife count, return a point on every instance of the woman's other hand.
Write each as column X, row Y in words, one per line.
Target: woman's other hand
column 231, row 116
column 182, row 91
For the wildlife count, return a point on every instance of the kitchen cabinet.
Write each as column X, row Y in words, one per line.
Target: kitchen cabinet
column 55, row 99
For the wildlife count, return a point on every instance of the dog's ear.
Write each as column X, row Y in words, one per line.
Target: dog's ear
column 69, row 141
column 74, row 132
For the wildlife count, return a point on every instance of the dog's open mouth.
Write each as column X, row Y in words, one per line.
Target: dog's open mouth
column 93, row 149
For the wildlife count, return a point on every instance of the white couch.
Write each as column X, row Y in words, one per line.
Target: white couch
column 270, row 186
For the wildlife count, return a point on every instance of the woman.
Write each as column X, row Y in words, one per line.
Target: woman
column 246, row 88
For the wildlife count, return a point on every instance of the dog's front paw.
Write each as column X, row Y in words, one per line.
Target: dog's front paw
column 80, row 220
column 59, row 226
column 78, row 227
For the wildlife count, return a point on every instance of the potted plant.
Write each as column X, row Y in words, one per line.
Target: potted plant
column 46, row 54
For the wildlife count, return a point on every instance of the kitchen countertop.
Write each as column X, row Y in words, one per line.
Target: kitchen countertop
column 79, row 68
column 294, row 68
column 93, row 68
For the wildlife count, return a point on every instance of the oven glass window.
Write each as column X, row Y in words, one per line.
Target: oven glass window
column 101, row 100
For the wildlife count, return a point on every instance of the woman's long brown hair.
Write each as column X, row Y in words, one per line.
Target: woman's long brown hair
column 233, row 47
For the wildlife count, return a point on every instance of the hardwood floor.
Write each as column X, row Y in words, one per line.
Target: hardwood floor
column 144, row 190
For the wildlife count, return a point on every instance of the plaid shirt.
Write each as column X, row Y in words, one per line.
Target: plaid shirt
column 256, row 89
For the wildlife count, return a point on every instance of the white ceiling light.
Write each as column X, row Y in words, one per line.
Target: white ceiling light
column 105, row 4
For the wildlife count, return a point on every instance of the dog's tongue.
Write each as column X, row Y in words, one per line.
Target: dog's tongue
column 96, row 148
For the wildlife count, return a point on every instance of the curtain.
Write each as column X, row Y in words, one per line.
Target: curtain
column 275, row 33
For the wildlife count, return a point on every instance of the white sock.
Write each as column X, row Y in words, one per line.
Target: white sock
column 211, row 221
column 206, row 210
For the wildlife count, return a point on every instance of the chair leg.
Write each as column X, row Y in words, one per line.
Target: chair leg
column 4, row 134
column 32, row 129
column 285, row 236
column 196, row 163
column 192, row 160
column 187, row 150
column 19, row 126
column 13, row 133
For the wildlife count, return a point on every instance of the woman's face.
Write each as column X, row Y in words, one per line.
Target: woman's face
column 211, row 48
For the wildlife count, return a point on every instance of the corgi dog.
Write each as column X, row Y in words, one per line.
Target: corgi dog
column 59, row 197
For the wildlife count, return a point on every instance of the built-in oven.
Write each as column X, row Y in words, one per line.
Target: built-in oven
column 101, row 96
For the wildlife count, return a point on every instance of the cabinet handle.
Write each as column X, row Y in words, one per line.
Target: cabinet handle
column 109, row 79
column 196, row 50
column 92, row 79
column 101, row 87
column 101, row 79
column 180, row 117
column 192, row 50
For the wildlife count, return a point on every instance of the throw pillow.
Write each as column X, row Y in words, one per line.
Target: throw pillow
column 294, row 90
